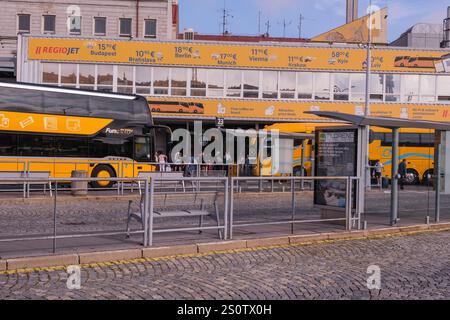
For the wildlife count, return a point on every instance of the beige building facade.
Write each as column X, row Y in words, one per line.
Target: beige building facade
column 148, row 19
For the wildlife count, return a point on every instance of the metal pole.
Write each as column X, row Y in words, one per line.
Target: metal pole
column 348, row 205
column 231, row 208
column 302, row 164
column 145, row 217
column 437, row 166
column 394, row 177
column 54, row 217
column 226, row 195
column 293, row 204
column 150, row 229
column 367, row 97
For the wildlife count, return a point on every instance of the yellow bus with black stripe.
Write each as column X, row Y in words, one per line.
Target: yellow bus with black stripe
column 44, row 128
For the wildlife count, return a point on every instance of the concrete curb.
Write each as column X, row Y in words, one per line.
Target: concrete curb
column 2, row 265
column 169, row 251
column 107, row 256
column 221, row 246
column 42, row 261
column 28, row 263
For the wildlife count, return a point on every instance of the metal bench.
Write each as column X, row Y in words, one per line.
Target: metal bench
column 198, row 210
column 13, row 175
column 163, row 179
column 44, row 175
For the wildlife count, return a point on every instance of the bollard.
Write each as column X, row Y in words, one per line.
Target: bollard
column 79, row 188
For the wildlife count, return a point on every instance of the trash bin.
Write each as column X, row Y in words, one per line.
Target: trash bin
column 79, row 188
column 385, row 183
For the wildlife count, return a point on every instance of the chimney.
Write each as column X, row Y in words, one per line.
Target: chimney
column 446, row 42
column 352, row 10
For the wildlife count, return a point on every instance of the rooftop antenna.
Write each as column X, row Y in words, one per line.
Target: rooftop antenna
column 301, row 17
column 285, row 25
column 225, row 15
column 267, row 27
column 259, row 22
column 300, row 20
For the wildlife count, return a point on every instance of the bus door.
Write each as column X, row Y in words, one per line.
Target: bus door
column 143, row 152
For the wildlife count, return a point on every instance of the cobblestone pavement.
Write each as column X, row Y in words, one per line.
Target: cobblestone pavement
column 416, row 267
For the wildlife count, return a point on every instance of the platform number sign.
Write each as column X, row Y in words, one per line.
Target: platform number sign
column 220, row 122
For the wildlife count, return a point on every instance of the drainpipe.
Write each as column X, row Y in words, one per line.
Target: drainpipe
column 137, row 18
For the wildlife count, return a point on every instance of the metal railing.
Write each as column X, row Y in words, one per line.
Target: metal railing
column 55, row 236
column 224, row 227
column 352, row 215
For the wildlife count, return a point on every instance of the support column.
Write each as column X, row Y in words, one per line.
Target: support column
column 394, row 177
column 437, row 176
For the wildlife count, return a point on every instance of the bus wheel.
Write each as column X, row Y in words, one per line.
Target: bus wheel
column 412, row 177
column 103, row 171
column 298, row 171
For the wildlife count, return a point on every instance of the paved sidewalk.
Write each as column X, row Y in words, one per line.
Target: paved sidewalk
column 100, row 213
column 412, row 267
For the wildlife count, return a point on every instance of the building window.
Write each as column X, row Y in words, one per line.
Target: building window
column 49, row 24
column 410, row 88
column 376, row 87
column 23, row 23
column 322, row 86
column 178, row 81
column 125, row 27
column 341, row 86
column 125, row 79
column 161, row 81
column 392, row 88
column 287, row 85
column 99, row 26
column 357, row 86
column 105, row 78
column 270, row 85
column 251, row 84
column 215, row 82
column 50, row 73
column 86, row 76
column 427, row 88
column 198, row 82
column 305, row 85
column 68, row 75
column 443, row 89
column 75, row 25
column 143, row 80
column 150, row 28
column 234, row 83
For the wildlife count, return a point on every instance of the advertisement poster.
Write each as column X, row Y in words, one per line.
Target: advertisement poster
column 286, row 110
column 336, row 156
column 231, row 55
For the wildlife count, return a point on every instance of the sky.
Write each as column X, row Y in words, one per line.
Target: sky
column 205, row 16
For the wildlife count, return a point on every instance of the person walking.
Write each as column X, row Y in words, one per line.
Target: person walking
column 378, row 172
column 402, row 172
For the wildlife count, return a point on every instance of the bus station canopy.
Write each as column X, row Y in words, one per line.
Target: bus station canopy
column 382, row 121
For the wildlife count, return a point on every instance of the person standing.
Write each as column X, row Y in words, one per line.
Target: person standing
column 378, row 171
column 402, row 172
column 162, row 159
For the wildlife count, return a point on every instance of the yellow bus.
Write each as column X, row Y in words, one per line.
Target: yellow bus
column 308, row 127
column 415, row 145
column 44, row 128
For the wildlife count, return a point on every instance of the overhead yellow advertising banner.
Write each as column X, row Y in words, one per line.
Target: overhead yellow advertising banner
column 229, row 55
column 47, row 123
column 287, row 110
